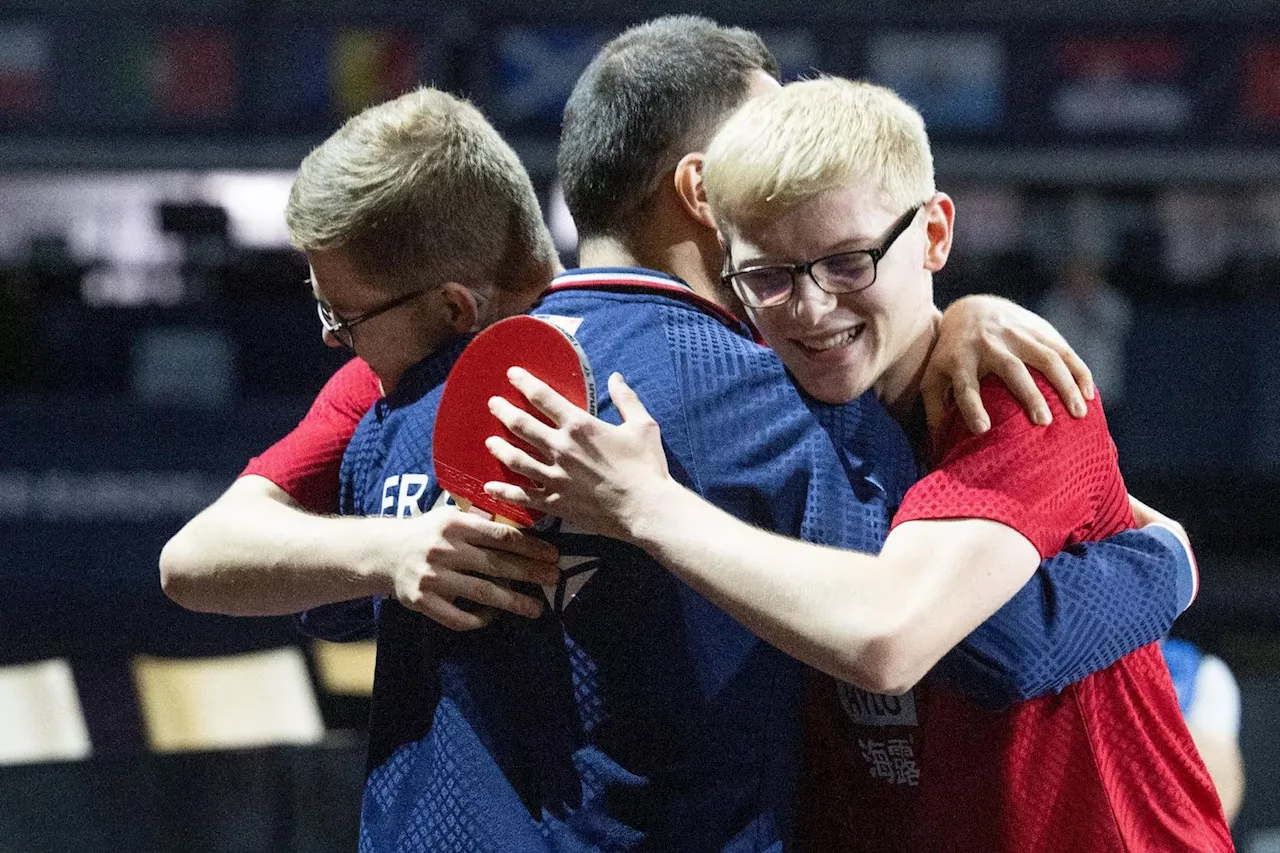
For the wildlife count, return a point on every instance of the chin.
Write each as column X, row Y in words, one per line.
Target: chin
column 833, row 391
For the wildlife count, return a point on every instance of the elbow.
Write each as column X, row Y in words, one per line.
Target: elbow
column 179, row 573
column 888, row 663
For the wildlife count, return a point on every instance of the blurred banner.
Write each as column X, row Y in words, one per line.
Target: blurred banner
column 195, row 73
column 1261, row 103
column 536, row 69
column 369, row 66
column 235, row 76
column 24, row 61
column 956, row 80
column 1128, row 84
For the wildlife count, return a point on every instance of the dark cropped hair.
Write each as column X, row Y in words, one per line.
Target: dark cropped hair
column 653, row 94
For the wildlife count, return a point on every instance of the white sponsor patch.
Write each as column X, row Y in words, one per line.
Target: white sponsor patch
column 568, row 325
column 876, row 709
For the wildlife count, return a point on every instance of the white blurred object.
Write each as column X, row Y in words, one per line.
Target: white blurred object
column 346, row 669
column 43, row 720
column 249, row 700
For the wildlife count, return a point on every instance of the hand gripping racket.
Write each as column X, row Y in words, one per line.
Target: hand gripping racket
column 463, row 464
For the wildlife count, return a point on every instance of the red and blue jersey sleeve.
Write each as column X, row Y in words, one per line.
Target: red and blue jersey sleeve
column 1088, row 604
column 305, row 463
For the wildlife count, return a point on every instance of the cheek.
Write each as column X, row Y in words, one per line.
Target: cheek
column 769, row 325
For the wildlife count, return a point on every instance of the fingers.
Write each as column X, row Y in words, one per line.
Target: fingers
column 483, row 533
column 626, row 400
column 518, row 461
column 1142, row 513
column 522, row 424
column 1045, row 334
column 450, row 616
column 936, row 392
column 483, row 562
column 515, row 495
column 491, row 594
column 543, row 397
column 1083, row 375
column 1048, row 359
column 969, row 403
column 1014, row 374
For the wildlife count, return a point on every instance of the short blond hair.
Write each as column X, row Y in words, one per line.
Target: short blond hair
column 812, row 136
column 421, row 190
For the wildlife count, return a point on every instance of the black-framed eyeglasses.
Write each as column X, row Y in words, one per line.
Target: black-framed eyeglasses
column 340, row 327
column 770, row 285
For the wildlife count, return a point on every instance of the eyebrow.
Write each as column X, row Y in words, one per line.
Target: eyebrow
column 852, row 244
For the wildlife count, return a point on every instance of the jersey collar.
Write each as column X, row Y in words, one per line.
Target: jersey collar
column 640, row 280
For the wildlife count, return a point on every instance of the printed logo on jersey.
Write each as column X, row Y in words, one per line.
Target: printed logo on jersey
column 402, row 495
column 568, row 325
column 891, row 760
column 865, row 708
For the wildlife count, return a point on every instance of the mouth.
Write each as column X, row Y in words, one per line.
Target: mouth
column 817, row 345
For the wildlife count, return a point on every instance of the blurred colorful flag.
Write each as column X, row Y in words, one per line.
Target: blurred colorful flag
column 369, row 66
column 24, row 60
column 1125, row 84
column 537, row 69
column 956, row 80
column 195, row 73
column 127, row 65
column 1262, row 83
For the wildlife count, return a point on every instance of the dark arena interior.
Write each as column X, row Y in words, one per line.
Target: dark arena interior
column 1114, row 168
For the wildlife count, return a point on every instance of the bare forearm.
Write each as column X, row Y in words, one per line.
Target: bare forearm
column 255, row 553
column 834, row 610
column 878, row 622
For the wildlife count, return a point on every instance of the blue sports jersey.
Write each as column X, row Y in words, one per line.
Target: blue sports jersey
column 634, row 714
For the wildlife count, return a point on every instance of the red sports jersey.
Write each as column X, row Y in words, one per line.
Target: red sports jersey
column 1106, row 765
column 305, row 462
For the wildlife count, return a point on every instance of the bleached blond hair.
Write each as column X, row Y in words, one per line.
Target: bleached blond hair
column 421, row 190
column 812, row 136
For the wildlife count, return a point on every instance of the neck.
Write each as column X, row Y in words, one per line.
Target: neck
column 693, row 256
column 899, row 387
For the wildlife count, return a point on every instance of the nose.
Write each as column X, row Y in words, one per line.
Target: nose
column 810, row 303
column 329, row 339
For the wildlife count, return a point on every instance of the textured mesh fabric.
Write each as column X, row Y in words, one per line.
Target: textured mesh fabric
column 633, row 714
column 1107, row 765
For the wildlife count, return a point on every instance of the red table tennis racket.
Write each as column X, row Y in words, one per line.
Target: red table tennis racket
column 463, row 464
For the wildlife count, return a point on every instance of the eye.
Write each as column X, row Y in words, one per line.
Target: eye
column 766, row 285
column 846, row 271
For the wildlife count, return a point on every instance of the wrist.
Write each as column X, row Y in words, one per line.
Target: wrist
column 664, row 504
column 371, row 568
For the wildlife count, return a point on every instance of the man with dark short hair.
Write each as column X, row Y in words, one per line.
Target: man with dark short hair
column 635, row 714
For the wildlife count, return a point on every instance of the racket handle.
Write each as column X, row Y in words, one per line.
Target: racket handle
column 466, row 506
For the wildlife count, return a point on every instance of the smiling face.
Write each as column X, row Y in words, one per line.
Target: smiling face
column 839, row 345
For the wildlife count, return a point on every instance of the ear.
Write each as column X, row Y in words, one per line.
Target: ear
column 941, row 211
column 689, row 189
column 460, row 303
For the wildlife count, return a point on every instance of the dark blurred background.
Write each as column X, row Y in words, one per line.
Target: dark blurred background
column 1116, row 166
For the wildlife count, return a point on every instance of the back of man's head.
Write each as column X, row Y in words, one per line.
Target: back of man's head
column 652, row 95
column 421, row 190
